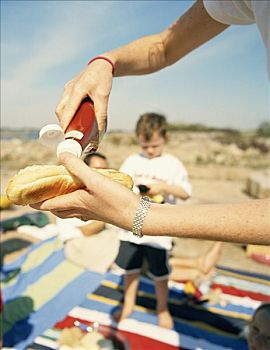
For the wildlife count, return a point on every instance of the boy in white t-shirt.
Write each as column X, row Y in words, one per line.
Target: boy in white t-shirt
column 160, row 174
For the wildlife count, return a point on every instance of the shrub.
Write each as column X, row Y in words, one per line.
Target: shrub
column 264, row 129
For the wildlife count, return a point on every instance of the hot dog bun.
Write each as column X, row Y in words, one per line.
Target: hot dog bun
column 37, row 183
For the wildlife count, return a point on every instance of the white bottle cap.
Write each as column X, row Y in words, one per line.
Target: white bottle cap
column 51, row 135
column 71, row 146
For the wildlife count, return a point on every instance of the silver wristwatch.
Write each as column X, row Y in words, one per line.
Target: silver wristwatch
column 140, row 215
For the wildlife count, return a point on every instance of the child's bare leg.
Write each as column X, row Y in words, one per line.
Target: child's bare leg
column 188, row 261
column 131, row 282
column 164, row 317
column 208, row 261
column 184, row 274
column 204, row 262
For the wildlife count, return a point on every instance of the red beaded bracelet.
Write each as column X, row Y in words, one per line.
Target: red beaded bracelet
column 103, row 58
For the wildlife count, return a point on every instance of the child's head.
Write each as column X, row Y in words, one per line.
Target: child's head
column 151, row 131
column 96, row 160
column 259, row 329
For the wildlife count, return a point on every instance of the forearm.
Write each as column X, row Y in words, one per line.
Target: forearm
column 154, row 52
column 246, row 222
column 92, row 228
column 189, row 32
column 143, row 56
column 176, row 191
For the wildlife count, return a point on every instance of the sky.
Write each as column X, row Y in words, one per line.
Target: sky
column 44, row 44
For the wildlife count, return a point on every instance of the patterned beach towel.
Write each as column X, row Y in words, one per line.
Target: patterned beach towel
column 39, row 289
column 44, row 293
column 208, row 326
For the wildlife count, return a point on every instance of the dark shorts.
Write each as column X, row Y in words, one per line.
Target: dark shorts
column 130, row 258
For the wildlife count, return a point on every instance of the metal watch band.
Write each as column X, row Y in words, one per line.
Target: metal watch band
column 144, row 205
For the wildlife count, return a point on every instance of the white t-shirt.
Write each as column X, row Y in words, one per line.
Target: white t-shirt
column 243, row 12
column 70, row 228
column 144, row 171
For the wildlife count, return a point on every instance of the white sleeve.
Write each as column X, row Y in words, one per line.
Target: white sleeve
column 243, row 12
column 69, row 228
column 230, row 12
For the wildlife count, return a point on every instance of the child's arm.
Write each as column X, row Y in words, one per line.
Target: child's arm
column 93, row 228
column 162, row 187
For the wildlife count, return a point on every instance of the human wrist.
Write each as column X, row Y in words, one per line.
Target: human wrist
column 129, row 210
column 150, row 224
column 103, row 58
column 141, row 213
column 158, row 220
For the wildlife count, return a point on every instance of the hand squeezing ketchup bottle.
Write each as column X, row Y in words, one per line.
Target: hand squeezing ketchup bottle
column 81, row 135
column 82, row 132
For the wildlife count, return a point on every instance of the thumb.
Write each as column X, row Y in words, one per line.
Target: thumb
column 96, row 183
column 78, row 168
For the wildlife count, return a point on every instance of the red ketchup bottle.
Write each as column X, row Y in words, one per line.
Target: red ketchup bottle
column 82, row 133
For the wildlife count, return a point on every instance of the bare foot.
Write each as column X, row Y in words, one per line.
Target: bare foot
column 121, row 314
column 165, row 319
column 204, row 277
column 208, row 261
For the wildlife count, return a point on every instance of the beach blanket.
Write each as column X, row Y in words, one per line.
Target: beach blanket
column 207, row 326
column 43, row 293
column 38, row 219
column 39, row 289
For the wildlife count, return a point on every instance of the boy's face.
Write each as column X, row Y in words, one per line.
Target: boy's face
column 152, row 148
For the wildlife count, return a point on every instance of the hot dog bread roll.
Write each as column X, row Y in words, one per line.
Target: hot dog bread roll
column 37, row 183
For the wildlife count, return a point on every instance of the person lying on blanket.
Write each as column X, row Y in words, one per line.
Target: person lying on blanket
column 259, row 330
